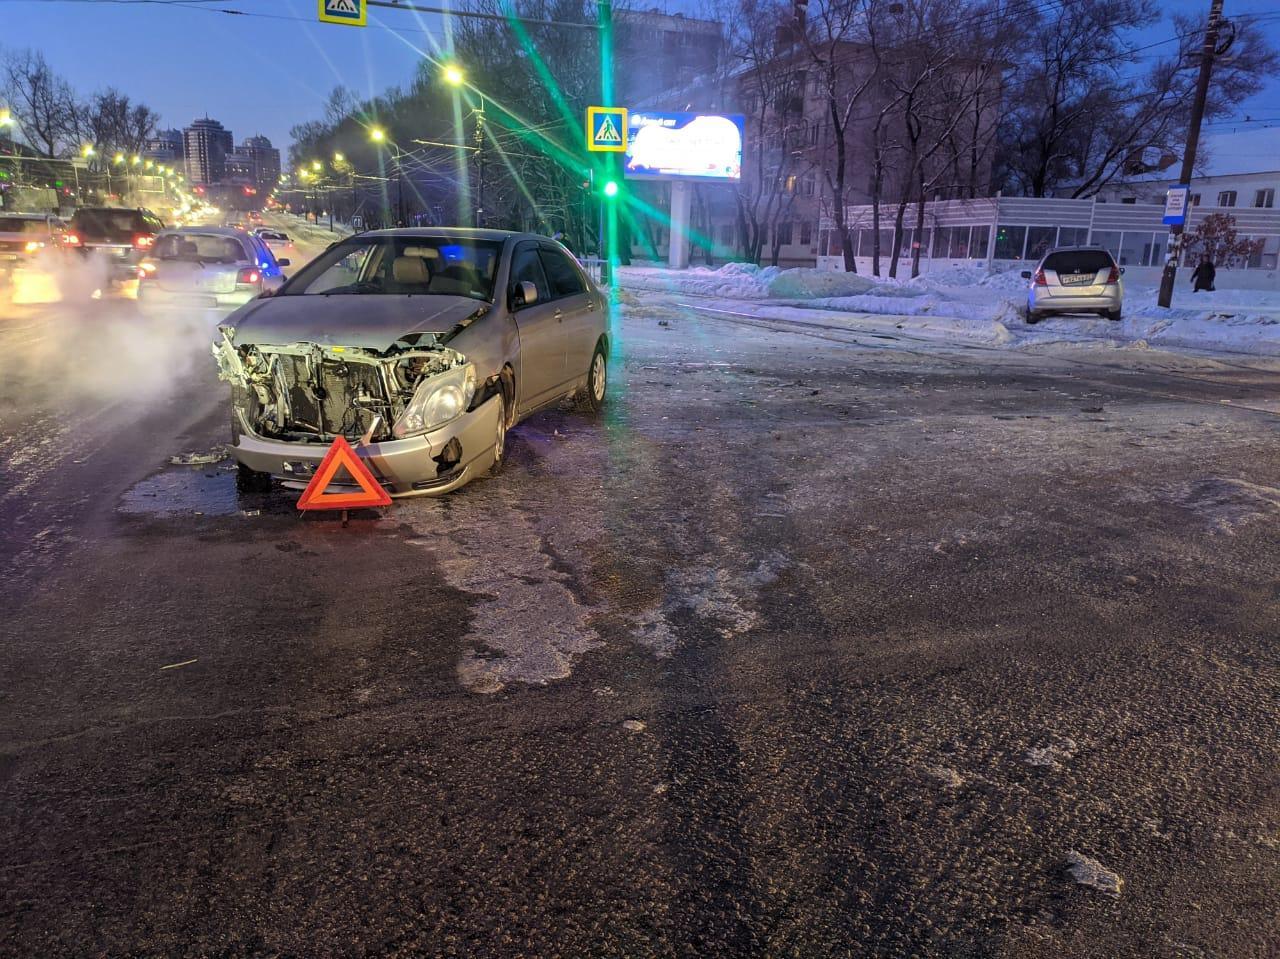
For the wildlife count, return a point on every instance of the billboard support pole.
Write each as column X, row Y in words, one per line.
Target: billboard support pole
column 678, row 242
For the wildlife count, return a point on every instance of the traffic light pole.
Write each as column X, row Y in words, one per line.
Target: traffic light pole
column 1174, row 254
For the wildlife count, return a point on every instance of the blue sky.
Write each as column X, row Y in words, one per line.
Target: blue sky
column 263, row 73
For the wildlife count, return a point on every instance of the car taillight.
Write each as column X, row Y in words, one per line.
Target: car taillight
column 71, row 239
column 1040, row 280
column 248, row 276
column 33, row 246
column 143, row 241
column 1114, row 275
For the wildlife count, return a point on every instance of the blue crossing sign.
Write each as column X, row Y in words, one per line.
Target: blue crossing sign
column 607, row 129
column 350, row 13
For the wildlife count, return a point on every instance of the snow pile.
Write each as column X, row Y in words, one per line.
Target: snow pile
column 740, row 281
column 808, row 284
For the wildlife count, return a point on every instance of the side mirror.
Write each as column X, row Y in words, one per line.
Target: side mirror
column 523, row 294
column 1026, row 274
column 284, row 262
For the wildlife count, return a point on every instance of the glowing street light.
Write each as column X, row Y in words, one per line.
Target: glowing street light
column 317, row 165
column 6, row 118
column 454, row 76
column 377, row 134
column 136, row 160
column 339, row 158
column 87, row 151
column 119, row 158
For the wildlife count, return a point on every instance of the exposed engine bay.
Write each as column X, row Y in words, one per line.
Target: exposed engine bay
column 307, row 392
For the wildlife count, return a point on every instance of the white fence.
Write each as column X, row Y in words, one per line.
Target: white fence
column 1008, row 231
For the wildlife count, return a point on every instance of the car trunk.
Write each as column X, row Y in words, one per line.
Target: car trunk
column 1082, row 273
column 182, row 276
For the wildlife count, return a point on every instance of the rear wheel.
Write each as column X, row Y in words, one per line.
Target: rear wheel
column 1113, row 315
column 1033, row 317
column 593, row 397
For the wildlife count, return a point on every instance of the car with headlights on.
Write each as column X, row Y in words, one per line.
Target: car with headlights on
column 1075, row 280
column 28, row 240
column 207, row 267
column 119, row 237
column 422, row 346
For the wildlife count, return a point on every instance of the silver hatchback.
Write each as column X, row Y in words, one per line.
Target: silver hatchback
column 1075, row 280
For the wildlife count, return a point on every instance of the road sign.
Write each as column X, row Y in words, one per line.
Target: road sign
column 341, row 454
column 350, row 13
column 607, row 129
column 1175, row 205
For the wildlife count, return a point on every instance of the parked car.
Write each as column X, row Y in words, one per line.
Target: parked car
column 207, row 267
column 29, row 240
column 1075, row 280
column 425, row 345
column 121, row 236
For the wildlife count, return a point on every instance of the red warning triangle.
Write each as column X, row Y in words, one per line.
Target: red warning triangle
column 341, row 454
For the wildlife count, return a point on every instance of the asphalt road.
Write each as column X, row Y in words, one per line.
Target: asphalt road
column 816, row 644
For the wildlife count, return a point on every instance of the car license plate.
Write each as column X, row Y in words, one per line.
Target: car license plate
column 1076, row 279
column 8, row 256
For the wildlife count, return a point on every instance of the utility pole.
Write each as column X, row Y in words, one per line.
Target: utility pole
column 479, row 217
column 1170, row 275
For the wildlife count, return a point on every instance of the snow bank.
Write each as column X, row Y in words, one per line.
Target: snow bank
column 977, row 303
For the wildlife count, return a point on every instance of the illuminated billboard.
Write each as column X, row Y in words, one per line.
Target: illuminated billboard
column 684, row 146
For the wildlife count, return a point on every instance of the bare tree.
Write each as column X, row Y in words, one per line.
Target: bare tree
column 41, row 101
column 1216, row 239
column 110, row 120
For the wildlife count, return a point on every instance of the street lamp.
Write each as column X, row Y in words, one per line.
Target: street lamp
column 454, row 76
column 87, row 151
column 136, row 160
column 378, row 135
column 339, row 158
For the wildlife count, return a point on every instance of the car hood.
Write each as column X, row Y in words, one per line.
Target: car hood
column 369, row 321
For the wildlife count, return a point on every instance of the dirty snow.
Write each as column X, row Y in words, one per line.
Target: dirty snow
column 1052, row 756
column 973, row 302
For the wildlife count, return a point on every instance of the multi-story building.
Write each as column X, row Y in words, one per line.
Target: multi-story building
column 790, row 149
column 206, row 144
column 165, row 147
column 265, row 160
column 656, row 52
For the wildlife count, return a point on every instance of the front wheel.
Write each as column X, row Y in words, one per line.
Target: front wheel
column 500, row 436
column 597, row 381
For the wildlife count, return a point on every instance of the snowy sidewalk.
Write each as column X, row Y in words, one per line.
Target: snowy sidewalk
column 972, row 304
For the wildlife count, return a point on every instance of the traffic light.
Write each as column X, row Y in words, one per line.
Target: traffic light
column 610, row 188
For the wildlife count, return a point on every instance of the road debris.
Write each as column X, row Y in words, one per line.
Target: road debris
column 1090, row 872
column 216, row 455
column 633, row 725
column 186, row 662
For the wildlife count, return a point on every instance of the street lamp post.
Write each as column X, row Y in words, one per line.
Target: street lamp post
column 454, row 76
column 378, row 135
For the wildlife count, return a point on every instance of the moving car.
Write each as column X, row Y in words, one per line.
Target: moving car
column 121, row 236
column 207, row 267
column 423, row 345
column 277, row 240
column 28, row 240
column 1075, row 279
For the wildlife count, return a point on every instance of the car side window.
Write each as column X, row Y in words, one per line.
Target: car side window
column 563, row 276
column 265, row 256
column 525, row 266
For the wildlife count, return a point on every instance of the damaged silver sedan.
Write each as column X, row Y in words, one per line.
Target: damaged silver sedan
column 424, row 346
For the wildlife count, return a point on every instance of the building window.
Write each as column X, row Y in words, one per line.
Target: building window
column 807, row 185
column 1009, row 240
column 1040, row 240
column 783, row 235
column 978, row 245
column 806, row 233
column 815, row 131
column 1072, row 236
column 1129, row 199
column 1195, row 199
column 1227, row 198
column 726, row 234
column 1265, row 199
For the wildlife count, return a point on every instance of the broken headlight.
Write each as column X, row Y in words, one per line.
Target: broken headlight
column 437, row 401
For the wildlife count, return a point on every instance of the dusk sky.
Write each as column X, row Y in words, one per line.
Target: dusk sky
column 263, row 72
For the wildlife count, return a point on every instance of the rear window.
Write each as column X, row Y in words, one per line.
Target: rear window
column 198, row 248
column 1078, row 261
column 17, row 224
column 107, row 222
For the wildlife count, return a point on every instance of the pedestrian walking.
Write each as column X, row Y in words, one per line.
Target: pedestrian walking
column 1203, row 276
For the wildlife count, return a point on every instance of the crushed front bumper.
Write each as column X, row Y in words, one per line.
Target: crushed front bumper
column 407, row 467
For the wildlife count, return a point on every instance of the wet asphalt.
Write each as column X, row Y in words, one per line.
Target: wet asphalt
column 812, row 645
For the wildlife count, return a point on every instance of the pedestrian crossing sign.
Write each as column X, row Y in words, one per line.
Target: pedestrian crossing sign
column 607, row 129
column 351, row 13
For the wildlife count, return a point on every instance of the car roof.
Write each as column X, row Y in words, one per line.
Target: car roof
column 26, row 216
column 207, row 230
column 454, row 233
column 1078, row 249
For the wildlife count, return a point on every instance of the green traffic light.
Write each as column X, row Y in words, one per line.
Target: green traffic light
column 611, row 188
